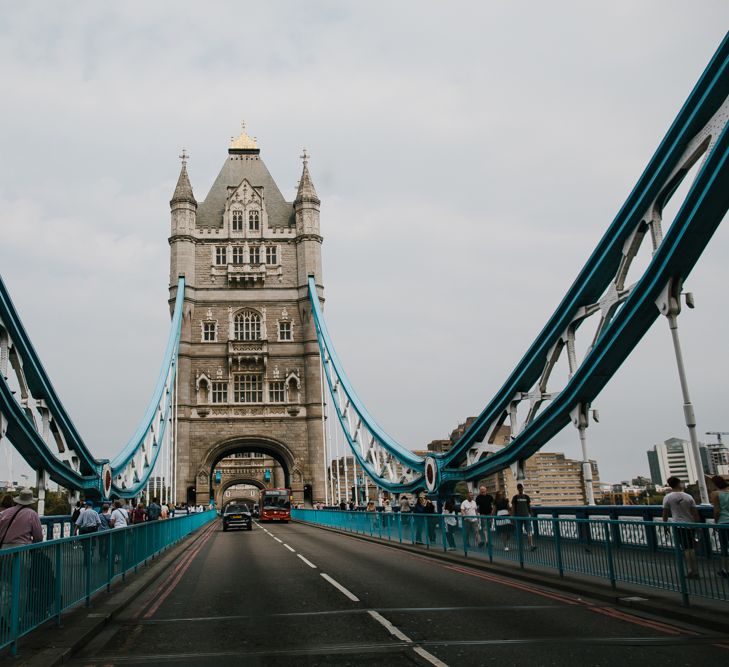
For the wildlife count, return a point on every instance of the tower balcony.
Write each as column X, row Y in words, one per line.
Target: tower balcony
column 246, row 274
column 241, row 352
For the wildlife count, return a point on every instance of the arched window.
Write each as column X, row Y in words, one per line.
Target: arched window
column 237, row 221
column 247, row 326
column 254, row 221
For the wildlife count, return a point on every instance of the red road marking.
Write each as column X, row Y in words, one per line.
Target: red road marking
column 181, row 568
column 614, row 613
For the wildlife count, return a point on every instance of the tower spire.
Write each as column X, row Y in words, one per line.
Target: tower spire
column 183, row 190
column 306, row 191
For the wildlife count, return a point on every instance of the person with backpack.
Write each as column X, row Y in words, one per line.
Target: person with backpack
column 154, row 511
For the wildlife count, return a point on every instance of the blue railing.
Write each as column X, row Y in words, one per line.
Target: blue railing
column 690, row 559
column 40, row 581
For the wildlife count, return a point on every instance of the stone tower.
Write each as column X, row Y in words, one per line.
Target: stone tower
column 249, row 378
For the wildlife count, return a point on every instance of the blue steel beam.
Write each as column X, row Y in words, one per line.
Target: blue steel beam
column 139, row 454
column 702, row 211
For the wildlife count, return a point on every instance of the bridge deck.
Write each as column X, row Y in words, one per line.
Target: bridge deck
column 255, row 596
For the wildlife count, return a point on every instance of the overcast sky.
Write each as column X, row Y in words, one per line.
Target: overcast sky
column 468, row 156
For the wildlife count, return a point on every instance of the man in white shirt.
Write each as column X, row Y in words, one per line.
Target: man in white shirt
column 680, row 507
column 470, row 517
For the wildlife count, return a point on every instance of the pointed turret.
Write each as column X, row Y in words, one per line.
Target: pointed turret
column 183, row 210
column 183, row 190
column 306, row 191
column 308, row 241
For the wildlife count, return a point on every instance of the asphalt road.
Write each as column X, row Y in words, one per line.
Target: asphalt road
column 298, row 595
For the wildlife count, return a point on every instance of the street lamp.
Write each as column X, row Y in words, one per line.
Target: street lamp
column 669, row 304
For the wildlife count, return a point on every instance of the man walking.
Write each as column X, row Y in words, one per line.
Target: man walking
column 20, row 524
column 468, row 511
column 485, row 505
column 521, row 506
column 680, row 507
column 88, row 521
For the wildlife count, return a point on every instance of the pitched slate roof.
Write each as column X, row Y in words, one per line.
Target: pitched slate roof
column 237, row 167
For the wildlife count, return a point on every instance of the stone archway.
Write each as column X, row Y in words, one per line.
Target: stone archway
column 221, row 500
column 267, row 446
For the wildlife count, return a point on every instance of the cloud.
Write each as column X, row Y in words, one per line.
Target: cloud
column 468, row 161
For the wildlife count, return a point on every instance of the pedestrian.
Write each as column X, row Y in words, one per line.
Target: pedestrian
column 154, row 511
column 451, row 522
column 88, row 521
column 720, row 502
column 485, row 504
column 75, row 515
column 6, row 503
column 139, row 514
column 430, row 520
column 164, row 511
column 419, row 517
column 119, row 517
column 20, row 524
column 104, row 525
column 468, row 512
column 680, row 507
column 503, row 525
column 404, row 503
column 521, row 506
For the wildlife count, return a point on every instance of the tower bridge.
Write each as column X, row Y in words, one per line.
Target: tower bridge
column 249, row 347
column 248, row 378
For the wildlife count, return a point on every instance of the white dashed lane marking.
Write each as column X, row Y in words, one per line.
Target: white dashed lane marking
column 307, row 561
column 395, row 632
column 340, row 588
column 293, row 551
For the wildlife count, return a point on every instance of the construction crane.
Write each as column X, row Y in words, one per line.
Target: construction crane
column 718, row 435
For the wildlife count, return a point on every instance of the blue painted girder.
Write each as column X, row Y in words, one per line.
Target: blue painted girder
column 702, row 211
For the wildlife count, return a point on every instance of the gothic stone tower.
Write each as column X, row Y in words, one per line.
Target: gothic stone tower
column 249, row 377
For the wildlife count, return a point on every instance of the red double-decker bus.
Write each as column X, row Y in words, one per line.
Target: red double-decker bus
column 275, row 505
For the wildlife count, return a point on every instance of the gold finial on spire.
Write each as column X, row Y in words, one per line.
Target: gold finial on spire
column 305, row 156
column 184, row 157
column 243, row 141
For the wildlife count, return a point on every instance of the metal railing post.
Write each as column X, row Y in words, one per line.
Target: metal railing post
column 490, row 541
column 14, row 603
column 557, row 536
column 464, row 535
column 680, row 566
column 57, row 583
column 609, row 552
column 87, row 569
column 109, row 560
column 123, row 559
column 399, row 527
column 518, row 525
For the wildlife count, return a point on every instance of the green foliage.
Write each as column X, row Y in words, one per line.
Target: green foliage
column 57, row 503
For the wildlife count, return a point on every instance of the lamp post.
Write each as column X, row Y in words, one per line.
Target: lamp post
column 669, row 303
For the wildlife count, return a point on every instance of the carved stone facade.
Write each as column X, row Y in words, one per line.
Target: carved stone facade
column 249, row 377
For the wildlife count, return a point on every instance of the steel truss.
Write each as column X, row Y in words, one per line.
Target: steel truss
column 534, row 402
column 38, row 426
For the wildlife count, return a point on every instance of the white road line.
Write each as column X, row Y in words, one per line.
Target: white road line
column 404, row 638
column 340, row 588
column 308, row 562
column 293, row 551
column 388, row 626
column 277, row 540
